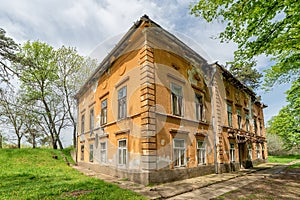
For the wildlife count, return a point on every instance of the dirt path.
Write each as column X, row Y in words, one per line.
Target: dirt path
column 275, row 183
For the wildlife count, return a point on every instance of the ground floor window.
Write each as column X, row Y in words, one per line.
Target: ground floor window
column 91, row 153
column 201, row 153
column 232, row 152
column 249, row 152
column 263, row 151
column 82, row 152
column 103, row 154
column 122, row 152
column 179, row 152
column 258, row 151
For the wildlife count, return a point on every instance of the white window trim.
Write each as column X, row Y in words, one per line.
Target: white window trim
column 105, row 161
column 91, row 160
column 232, row 153
column 201, row 148
column 182, row 109
column 126, row 103
column 183, row 148
column 122, row 164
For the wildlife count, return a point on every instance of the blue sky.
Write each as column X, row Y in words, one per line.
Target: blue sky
column 89, row 25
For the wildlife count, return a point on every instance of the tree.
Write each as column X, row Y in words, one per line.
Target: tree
column 8, row 50
column 50, row 79
column 261, row 27
column 73, row 71
column 38, row 72
column 287, row 123
column 12, row 113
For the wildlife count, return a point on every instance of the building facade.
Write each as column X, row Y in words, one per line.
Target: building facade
column 155, row 111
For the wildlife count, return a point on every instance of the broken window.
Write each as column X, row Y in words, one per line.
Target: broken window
column 122, row 104
column 104, row 112
column 199, row 107
column 201, row 153
column 179, row 152
column 122, row 152
column 177, row 99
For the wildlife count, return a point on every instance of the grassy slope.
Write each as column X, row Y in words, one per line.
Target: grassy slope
column 283, row 159
column 34, row 174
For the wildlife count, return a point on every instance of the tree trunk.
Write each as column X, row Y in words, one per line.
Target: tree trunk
column 19, row 142
column 74, row 137
column 1, row 141
column 33, row 141
column 60, row 143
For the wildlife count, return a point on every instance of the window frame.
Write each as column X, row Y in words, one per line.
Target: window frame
column 177, row 102
column 122, row 103
column 91, row 157
column 103, row 152
column 247, row 123
column 181, row 151
column 92, row 120
column 229, row 114
column 239, row 117
column 122, row 149
column 258, row 156
column 255, row 124
column 199, row 107
column 201, row 152
column 82, row 127
column 82, row 152
column 103, row 117
column 232, row 152
column 249, row 146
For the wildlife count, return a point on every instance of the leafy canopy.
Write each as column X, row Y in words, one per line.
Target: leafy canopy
column 259, row 27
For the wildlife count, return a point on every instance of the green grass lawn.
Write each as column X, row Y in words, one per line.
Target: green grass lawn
column 283, row 159
column 34, row 174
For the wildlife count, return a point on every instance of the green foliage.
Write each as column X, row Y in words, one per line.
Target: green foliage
column 8, row 50
column 262, row 27
column 34, row 174
column 287, row 123
column 283, row 159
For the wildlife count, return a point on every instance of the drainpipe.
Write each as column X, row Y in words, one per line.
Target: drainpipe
column 212, row 86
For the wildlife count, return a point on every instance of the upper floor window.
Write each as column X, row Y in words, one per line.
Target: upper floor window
column 199, row 107
column 201, row 153
column 255, row 125
column 82, row 124
column 229, row 115
column 91, row 120
column 122, row 103
column 239, row 118
column 177, row 99
column 260, row 128
column 232, row 152
column 247, row 122
column 179, row 152
column 122, row 152
column 104, row 112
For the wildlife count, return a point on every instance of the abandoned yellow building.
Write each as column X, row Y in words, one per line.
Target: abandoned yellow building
column 155, row 111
